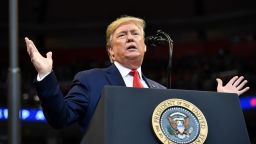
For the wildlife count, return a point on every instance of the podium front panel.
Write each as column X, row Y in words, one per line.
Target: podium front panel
column 124, row 115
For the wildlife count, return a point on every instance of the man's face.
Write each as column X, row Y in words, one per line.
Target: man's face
column 127, row 45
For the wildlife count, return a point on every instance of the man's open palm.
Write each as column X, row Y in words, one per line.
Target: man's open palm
column 42, row 64
column 235, row 85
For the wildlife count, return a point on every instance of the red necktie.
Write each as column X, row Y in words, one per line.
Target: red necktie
column 136, row 79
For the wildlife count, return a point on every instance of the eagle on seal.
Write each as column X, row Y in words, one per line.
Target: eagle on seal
column 179, row 124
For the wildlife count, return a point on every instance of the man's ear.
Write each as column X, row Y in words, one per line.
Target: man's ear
column 145, row 48
column 111, row 53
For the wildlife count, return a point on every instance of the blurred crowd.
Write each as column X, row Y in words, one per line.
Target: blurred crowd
column 195, row 66
column 192, row 71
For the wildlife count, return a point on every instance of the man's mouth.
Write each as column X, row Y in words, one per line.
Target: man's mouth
column 131, row 48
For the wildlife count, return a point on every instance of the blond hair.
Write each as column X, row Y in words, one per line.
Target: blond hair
column 119, row 21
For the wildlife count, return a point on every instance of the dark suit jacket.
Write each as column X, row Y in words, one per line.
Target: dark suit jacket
column 81, row 101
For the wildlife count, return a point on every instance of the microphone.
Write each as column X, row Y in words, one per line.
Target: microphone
column 158, row 39
column 155, row 40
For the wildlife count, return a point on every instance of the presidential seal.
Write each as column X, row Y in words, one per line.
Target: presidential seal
column 177, row 121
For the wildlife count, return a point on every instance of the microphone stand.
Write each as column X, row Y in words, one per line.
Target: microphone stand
column 169, row 66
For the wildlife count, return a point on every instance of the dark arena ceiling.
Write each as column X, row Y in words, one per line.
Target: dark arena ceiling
column 84, row 22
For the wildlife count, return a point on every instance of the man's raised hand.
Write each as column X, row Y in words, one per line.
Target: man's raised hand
column 42, row 64
column 235, row 85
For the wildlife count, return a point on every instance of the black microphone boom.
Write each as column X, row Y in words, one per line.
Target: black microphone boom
column 158, row 39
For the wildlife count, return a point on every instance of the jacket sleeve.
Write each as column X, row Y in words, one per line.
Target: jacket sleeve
column 61, row 111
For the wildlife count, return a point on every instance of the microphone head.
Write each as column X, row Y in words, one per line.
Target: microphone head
column 155, row 40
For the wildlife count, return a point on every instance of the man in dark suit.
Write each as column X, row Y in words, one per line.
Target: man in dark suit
column 126, row 48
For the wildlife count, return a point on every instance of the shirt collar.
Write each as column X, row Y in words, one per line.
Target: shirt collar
column 124, row 70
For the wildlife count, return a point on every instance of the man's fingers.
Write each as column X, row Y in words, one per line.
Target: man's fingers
column 33, row 45
column 231, row 82
column 242, row 84
column 238, row 81
column 243, row 90
column 31, row 48
column 27, row 45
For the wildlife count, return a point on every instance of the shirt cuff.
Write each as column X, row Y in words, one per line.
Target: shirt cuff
column 40, row 79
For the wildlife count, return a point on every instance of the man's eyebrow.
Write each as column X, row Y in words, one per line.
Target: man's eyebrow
column 125, row 31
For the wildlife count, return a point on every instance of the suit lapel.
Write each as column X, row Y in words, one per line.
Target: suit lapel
column 148, row 82
column 113, row 76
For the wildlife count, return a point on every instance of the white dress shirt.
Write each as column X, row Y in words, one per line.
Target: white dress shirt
column 128, row 79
